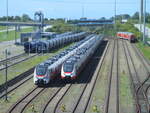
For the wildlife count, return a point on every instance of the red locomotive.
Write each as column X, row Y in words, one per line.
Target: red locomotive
column 126, row 35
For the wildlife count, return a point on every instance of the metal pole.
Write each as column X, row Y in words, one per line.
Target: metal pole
column 42, row 49
column 144, row 21
column 7, row 13
column 115, row 26
column 15, row 34
column 6, row 85
column 36, row 48
column 29, row 48
column 141, row 15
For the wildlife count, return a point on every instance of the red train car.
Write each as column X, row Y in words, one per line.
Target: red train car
column 126, row 35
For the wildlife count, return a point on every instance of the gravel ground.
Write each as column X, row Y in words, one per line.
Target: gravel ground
column 148, row 93
column 11, row 47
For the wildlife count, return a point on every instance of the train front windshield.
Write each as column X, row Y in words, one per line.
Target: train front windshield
column 68, row 67
column 41, row 70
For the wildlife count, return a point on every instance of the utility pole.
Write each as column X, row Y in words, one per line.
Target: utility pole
column 6, row 85
column 115, row 11
column 29, row 49
column 7, row 14
column 141, row 15
column 15, row 34
column 144, row 18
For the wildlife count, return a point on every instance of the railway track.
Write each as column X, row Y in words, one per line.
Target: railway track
column 145, row 64
column 52, row 104
column 12, row 58
column 15, row 81
column 21, row 104
column 77, row 98
column 16, row 60
column 55, row 99
column 84, row 102
column 80, row 104
column 113, row 83
column 142, row 103
column 138, row 51
column 12, row 88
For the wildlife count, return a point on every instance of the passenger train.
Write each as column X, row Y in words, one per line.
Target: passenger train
column 72, row 67
column 47, row 45
column 127, row 35
column 48, row 70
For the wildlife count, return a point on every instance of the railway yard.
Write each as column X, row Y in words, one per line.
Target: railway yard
column 74, row 56
column 114, row 80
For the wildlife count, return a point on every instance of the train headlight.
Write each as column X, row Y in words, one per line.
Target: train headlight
column 63, row 75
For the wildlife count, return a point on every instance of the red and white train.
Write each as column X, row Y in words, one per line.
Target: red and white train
column 126, row 35
column 73, row 66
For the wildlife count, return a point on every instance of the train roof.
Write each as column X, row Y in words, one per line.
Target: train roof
column 129, row 33
column 41, row 65
column 81, row 51
column 49, row 62
column 70, row 61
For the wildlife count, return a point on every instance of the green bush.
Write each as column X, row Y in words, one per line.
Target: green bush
column 128, row 27
column 61, row 27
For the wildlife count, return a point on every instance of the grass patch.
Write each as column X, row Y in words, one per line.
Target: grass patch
column 145, row 49
column 148, row 25
column 126, row 96
column 125, row 90
column 26, row 65
column 4, row 27
column 11, row 34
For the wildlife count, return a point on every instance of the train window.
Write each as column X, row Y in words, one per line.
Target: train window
column 68, row 67
column 50, row 70
column 41, row 70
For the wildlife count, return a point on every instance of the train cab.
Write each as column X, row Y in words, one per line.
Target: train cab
column 40, row 74
column 68, row 71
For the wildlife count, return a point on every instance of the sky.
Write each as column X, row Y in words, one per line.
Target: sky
column 71, row 9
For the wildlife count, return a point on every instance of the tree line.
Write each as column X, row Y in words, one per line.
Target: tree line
column 26, row 17
column 134, row 17
column 23, row 18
